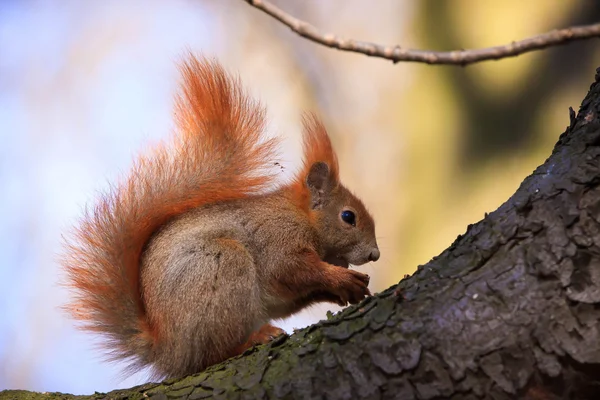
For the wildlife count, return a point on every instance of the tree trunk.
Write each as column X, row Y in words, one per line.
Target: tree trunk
column 510, row 310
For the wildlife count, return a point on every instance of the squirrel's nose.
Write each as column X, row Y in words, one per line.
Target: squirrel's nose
column 374, row 256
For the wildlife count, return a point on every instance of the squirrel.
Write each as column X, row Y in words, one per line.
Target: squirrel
column 183, row 263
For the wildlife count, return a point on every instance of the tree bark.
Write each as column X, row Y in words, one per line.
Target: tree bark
column 510, row 310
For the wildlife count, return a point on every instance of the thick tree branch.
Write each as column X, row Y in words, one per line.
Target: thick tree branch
column 457, row 57
column 510, row 310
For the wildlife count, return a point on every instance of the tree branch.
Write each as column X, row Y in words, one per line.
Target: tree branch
column 511, row 310
column 456, row 57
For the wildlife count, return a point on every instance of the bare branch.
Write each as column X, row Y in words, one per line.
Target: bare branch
column 456, row 57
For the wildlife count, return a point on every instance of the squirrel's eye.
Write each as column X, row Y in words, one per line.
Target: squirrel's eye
column 349, row 217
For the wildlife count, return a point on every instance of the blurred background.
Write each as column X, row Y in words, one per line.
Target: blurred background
column 85, row 85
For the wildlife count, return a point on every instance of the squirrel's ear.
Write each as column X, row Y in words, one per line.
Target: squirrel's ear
column 319, row 184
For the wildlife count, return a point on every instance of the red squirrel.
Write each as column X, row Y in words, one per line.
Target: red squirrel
column 184, row 263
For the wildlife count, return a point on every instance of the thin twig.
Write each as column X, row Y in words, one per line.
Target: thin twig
column 456, row 57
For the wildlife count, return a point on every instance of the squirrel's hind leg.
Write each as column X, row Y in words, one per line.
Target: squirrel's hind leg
column 210, row 303
column 264, row 335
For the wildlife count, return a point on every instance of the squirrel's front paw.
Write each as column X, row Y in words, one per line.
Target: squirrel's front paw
column 350, row 286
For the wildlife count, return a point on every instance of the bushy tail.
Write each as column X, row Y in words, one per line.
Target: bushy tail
column 218, row 153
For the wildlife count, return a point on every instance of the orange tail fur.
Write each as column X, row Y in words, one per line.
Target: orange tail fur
column 218, row 153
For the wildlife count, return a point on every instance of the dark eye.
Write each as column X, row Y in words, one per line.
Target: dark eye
column 349, row 217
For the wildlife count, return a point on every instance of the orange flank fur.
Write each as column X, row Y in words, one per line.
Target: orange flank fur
column 218, row 153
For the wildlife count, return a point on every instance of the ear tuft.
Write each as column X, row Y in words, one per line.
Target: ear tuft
column 317, row 146
column 319, row 174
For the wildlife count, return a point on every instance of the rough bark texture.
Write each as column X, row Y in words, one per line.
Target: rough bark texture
column 510, row 310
